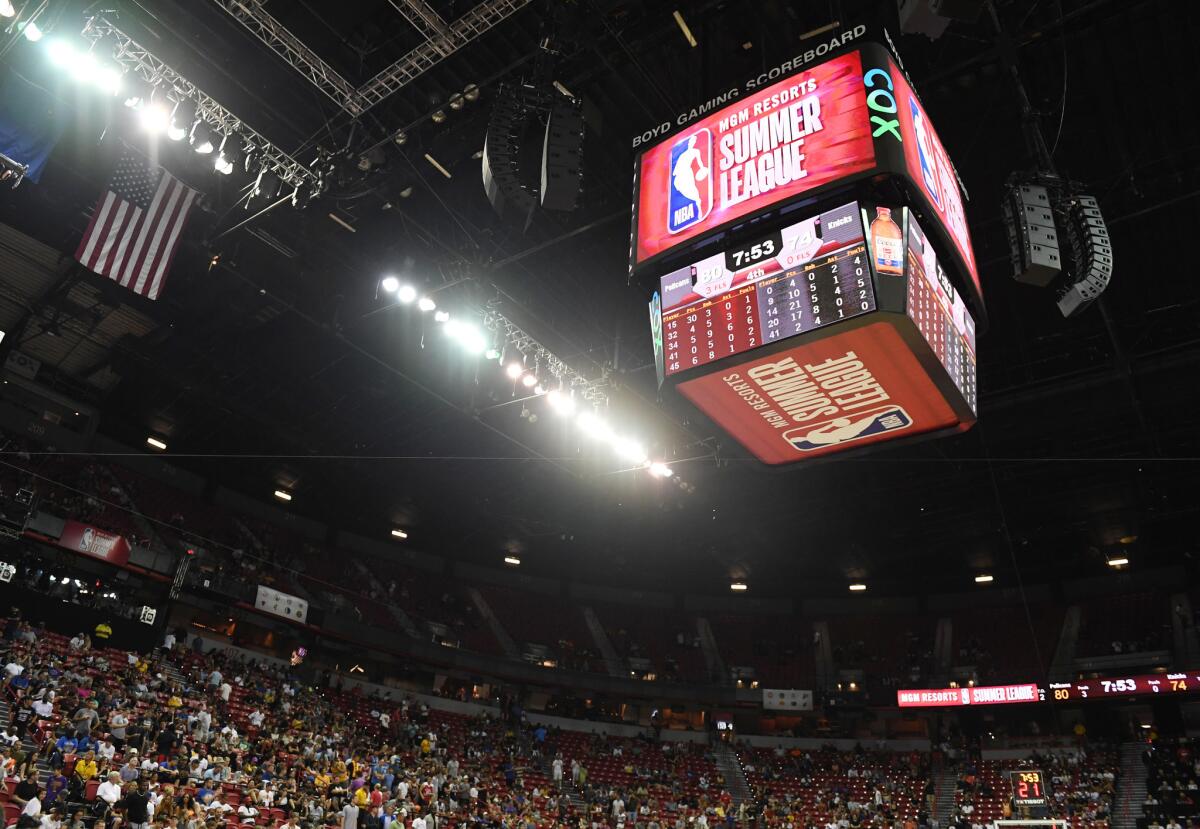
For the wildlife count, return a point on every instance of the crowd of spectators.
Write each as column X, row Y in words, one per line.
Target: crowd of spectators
column 180, row 739
column 1172, row 784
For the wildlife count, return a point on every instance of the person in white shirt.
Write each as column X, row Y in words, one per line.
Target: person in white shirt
column 33, row 806
column 43, row 708
column 418, row 822
column 385, row 719
column 350, row 815
column 110, row 790
column 106, row 750
column 13, row 669
column 226, row 690
column 247, row 812
column 169, row 641
column 558, row 771
column 256, row 718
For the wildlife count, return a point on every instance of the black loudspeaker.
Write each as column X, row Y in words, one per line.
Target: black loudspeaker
column 501, row 179
column 562, row 152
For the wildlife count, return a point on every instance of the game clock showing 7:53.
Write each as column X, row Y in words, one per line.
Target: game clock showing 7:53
column 1029, row 789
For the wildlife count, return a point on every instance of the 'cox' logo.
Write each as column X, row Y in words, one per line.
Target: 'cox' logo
column 882, row 100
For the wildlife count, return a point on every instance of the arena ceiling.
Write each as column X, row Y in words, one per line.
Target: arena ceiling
column 271, row 359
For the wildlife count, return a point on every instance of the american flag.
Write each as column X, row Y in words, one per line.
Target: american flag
column 135, row 229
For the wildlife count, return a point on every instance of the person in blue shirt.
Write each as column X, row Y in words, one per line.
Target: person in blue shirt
column 66, row 744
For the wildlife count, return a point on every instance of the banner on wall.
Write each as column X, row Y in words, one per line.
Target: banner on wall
column 92, row 541
column 281, row 604
column 787, row 699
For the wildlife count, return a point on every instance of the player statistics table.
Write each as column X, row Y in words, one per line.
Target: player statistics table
column 804, row 276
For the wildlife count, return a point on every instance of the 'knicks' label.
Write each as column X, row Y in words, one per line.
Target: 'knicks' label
column 689, row 188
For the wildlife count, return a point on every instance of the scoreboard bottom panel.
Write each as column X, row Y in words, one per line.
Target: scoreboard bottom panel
column 850, row 389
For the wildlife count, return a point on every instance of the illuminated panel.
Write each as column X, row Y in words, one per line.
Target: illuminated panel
column 986, row 695
column 843, row 391
column 1029, row 789
column 808, row 275
column 930, row 169
column 941, row 315
column 774, row 145
column 1127, row 686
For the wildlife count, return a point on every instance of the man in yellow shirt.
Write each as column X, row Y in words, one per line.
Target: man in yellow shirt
column 86, row 767
column 103, row 631
column 360, row 797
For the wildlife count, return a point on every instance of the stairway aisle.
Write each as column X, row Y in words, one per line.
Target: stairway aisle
column 730, row 766
column 945, row 789
column 1131, row 787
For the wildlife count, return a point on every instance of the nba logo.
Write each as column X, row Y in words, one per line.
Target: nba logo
column 929, row 171
column 848, row 429
column 689, row 191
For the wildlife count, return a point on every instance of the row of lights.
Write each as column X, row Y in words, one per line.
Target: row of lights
column 472, row 339
column 29, row 28
column 158, row 113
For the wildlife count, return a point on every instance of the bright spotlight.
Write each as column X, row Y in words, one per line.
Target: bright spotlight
column 283, row 495
column 593, row 426
column 529, row 381
column 512, row 561
column 560, row 402
column 474, row 342
column 390, row 284
column 6, row 8
column 441, row 316
column 660, row 470
column 161, row 445
column 426, row 304
column 406, row 294
column 630, row 450
column 857, row 587
column 84, row 67
column 514, row 370
column 108, row 80
column 155, row 118
column 61, row 53
column 539, row 389
column 32, row 31
column 223, row 165
column 202, row 138
column 739, row 586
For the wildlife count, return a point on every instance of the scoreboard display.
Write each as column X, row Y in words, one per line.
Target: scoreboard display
column 779, row 143
column 805, row 276
column 1029, row 789
column 940, row 313
column 816, row 289
column 1126, row 686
